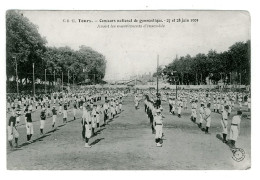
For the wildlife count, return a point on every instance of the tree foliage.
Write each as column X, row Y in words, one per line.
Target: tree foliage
column 25, row 46
column 231, row 66
column 83, row 64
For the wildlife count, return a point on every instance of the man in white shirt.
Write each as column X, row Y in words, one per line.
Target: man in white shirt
column 136, row 102
column 224, row 123
column 12, row 130
column 88, row 126
column 99, row 112
column 193, row 111
column 106, row 107
column 158, row 124
column 218, row 105
column 235, row 128
column 202, row 114
column 207, row 118
column 249, row 103
column 180, row 104
column 240, row 102
column 173, row 106
column 214, row 105
column 170, row 104
column 94, row 119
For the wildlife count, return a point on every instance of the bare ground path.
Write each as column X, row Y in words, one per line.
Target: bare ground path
column 127, row 143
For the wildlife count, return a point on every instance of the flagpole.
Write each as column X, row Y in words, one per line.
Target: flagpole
column 54, row 79
column 157, row 74
column 68, row 77
column 17, row 85
column 33, row 82
column 62, row 82
column 73, row 82
column 45, row 80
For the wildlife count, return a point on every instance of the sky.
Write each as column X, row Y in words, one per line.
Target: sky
column 132, row 51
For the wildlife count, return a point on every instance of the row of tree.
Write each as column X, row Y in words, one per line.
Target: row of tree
column 229, row 67
column 25, row 47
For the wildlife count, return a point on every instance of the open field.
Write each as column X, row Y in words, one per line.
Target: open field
column 127, row 143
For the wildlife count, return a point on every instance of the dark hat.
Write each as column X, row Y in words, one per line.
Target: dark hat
column 239, row 112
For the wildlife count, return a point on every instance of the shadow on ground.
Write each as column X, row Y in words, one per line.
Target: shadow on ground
column 96, row 141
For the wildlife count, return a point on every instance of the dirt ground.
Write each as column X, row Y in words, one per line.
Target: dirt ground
column 127, row 143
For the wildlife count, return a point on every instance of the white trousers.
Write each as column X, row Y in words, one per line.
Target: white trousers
column 12, row 132
column 94, row 122
column 74, row 112
column 113, row 111
column 229, row 109
column 29, row 128
column 208, row 121
column 87, row 131
column 201, row 118
column 224, row 124
column 136, row 103
column 65, row 114
column 98, row 118
column 54, row 118
column 42, row 124
column 173, row 108
column 222, row 108
column 179, row 110
column 233, row 133
column 158, row 129
column 193, row 113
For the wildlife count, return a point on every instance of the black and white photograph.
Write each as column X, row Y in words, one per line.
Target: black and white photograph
column 128, row 89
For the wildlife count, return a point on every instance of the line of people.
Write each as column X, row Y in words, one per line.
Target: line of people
column 89, row 103
column 153, row 109
column 92, row 114
column 223, row 103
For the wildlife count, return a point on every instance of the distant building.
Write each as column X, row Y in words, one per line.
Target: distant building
column 145, row 78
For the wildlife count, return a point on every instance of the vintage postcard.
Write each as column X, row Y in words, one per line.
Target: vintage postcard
column 128, row 90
